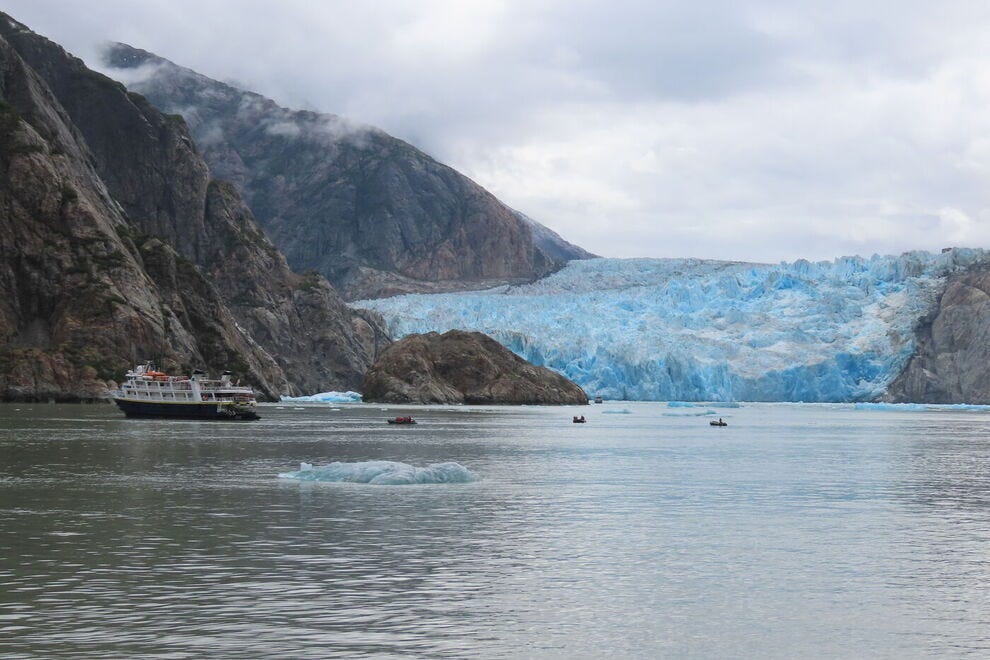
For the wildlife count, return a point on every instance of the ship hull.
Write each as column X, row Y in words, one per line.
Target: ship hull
column 221, row 411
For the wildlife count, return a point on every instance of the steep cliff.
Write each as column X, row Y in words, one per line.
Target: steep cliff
column 372, row 213
column 950, row 364
column 126, row 188
column 463, row 367
column 82, row 293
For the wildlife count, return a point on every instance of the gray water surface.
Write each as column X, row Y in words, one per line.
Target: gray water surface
column 798, row 530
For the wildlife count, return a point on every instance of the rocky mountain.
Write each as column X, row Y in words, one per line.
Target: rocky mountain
column 118, row 244
column 372, row 213
column 552, row 243
column 463, row 367
column 953, row 346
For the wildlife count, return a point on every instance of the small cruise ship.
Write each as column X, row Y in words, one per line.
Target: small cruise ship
column 150, row 393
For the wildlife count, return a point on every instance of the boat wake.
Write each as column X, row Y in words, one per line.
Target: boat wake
column 383, row 473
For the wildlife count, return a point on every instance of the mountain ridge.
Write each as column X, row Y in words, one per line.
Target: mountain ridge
column 373, row 213
column 204, row 284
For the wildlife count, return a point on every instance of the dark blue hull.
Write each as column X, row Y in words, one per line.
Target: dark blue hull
column 223, row 411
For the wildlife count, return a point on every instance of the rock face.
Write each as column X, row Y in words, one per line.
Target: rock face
column 951, row 362
column 463, row 367
column 370, row 212
column 117, row 245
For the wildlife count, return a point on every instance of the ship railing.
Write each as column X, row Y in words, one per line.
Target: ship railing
column 161, row 385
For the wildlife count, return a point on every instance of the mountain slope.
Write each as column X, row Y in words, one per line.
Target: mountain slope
column 152, row 182
column 953, row 341
column 372, row 213
column 81, row 293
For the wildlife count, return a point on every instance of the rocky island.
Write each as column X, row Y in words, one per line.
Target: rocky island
column 463, row 367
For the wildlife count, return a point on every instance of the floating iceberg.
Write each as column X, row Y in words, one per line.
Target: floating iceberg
column 325, row 397
column 383, row 473
column 694, row 330
column 920, row 407
column 702, row 413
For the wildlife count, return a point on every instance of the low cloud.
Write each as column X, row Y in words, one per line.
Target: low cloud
column 751, row 131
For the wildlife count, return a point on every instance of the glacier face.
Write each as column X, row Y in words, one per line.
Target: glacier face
column 695, row 330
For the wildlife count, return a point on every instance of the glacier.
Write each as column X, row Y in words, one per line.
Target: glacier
column 701, row 330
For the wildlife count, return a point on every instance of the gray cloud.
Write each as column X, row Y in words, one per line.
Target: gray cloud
column 755, row 131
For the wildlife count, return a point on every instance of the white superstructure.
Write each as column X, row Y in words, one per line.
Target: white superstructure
column 147, row 392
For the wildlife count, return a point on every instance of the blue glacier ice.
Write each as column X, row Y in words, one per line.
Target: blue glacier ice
column 697, row 330
column 325, row 397
column 922, row 407
column 383, row 473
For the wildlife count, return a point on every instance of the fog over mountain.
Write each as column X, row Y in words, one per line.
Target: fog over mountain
column 755, row 131
column 370, row 212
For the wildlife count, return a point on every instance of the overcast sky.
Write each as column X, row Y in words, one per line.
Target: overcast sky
column 756, row 131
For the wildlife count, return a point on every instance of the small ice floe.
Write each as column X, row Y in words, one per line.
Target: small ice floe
column 699, row 413
column 703, row 404
column 920, row 407
column 623, row 411
column 383, row 473
column 325, row 397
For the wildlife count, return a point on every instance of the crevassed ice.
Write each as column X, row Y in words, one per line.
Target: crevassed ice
column 383, row 473
column 695, row 330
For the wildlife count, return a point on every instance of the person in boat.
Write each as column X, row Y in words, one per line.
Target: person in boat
column 720, row 422
column 408, row 419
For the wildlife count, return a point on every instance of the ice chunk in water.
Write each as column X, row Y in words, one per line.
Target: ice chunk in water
column 383, row 473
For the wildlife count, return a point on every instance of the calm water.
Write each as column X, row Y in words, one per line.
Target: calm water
column 796, row 531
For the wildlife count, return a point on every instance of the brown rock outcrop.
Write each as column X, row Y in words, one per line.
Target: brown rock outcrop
column 463, row 367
